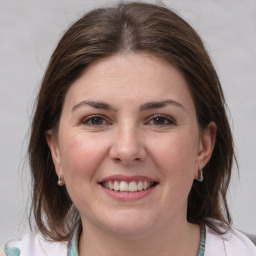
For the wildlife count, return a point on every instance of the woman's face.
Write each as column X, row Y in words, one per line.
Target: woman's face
column 128, row 145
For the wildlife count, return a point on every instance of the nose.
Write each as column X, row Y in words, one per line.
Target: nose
column 127, row 146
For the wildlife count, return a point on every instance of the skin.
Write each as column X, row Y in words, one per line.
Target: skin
column 131, row 137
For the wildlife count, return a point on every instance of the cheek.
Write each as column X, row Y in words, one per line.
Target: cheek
column 176, row 155
column 175, row 160
column 81, row 156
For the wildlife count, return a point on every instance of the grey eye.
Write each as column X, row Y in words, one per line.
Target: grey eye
column 161, row 120
column 94, row 121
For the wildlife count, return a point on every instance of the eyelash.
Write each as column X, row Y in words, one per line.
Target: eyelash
column 164, row 121
column 90, row 119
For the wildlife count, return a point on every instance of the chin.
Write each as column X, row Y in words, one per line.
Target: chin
column 129, row 225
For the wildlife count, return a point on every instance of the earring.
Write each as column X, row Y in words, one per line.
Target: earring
column 61, row 181
column 200, row 174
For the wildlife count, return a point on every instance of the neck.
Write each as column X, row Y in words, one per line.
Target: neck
column 177, row 240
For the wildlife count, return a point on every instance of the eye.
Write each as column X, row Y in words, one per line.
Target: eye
column 95, row 121
column 161, row 120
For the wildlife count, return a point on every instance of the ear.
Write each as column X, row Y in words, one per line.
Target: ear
column 206, row 144
column 52, row 141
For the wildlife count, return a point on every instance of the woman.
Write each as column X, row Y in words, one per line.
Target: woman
column 130, row 123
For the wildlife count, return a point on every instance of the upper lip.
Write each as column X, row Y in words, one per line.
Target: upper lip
column 120, row 177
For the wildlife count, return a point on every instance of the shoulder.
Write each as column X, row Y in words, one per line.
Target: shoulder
column 232, row 243
column 34, row 244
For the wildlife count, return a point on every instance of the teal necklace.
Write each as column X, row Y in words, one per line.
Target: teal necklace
column 202, row 242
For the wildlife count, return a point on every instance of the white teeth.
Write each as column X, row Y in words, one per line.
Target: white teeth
column 145, row 185
column 124, row 186
column 116, row 186
column 110, row 185
column 140, row 185
column 133, row 186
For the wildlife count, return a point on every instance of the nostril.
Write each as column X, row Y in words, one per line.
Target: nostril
column 127, row 161
column 127, row 154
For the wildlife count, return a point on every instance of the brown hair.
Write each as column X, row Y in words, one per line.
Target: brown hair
column 136, row 27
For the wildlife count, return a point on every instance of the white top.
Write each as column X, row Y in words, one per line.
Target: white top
column 233, row 243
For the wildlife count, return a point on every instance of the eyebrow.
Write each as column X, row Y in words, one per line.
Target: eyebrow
column 144, row 107
column 94, row 104
column 160, row 104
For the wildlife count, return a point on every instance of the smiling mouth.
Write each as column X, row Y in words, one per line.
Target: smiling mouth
column 132, row 186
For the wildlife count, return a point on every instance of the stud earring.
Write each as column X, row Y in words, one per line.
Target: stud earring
column 200, row 174
column 61, row 181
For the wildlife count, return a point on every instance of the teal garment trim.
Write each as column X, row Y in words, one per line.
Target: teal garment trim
column 202, row 242
column 73, row 243
column 11, row 251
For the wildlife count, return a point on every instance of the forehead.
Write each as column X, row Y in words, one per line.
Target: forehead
column 129, row 76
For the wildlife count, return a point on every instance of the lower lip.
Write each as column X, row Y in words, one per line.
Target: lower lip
column 128, row 196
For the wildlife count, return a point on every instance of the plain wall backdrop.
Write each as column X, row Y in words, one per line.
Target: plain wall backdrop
column 29, row 31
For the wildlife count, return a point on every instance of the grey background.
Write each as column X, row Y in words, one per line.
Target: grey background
column 29, row 31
